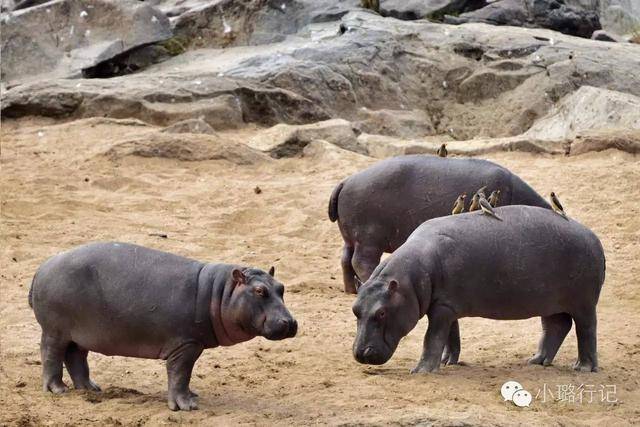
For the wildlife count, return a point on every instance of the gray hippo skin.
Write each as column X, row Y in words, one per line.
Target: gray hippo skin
column 532, row 263
column 127, row 300
column 378, row 208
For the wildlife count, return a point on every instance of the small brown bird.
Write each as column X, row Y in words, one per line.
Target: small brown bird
column 487, row 209
column 494, row 197
column 481, row 193
column 442, row 151
column 475, row 203
column 555, row 204
column 458, row 206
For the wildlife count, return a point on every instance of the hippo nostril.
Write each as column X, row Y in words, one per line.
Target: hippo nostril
column 367, row 352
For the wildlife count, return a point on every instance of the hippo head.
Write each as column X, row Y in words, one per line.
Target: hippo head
column 386, row 311
column 254, row 306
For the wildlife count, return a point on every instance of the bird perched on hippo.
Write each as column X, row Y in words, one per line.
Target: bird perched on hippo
column 533, row 262
column 378, row 208
column 127, row 300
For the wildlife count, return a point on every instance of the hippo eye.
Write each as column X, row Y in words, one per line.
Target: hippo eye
column 260, row 291
column 380, row 314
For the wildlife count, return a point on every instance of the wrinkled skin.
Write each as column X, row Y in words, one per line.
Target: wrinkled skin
column 378, row 208
column 127, row 300
column 533, row 263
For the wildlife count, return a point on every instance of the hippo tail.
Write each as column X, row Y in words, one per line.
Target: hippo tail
column 333, row 202
column 31, row 292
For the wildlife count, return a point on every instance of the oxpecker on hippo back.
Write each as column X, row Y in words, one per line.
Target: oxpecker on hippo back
column 127, row 300
column 377, row 208
column 532, row 263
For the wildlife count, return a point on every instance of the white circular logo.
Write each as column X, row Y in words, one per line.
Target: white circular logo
column 522, row 398
column 509, row 388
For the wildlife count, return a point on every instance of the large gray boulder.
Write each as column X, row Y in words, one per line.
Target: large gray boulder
column 620, row 17
column 62, row 38
column 551, row 14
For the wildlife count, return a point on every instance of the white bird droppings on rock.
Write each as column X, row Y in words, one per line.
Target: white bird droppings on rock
column 83, row 14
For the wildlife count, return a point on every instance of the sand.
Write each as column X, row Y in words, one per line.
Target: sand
column 59, row 189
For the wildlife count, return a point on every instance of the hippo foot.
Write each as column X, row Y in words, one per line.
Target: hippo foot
column 425, row 368
column 449, row 359
column 88, row 385
column 56, row 387
column 540, row 359
column 350, row 289
column 183, row 401
column 585, row 367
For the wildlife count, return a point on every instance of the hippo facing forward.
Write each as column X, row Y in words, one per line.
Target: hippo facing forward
column 379, row 207
column 127, row 300
column 532, row 263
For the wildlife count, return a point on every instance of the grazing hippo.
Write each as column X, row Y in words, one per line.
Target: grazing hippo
column 127, row 300
column 532, row 263
column 379, row 207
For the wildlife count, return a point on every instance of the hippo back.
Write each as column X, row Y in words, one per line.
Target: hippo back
column 383, row 204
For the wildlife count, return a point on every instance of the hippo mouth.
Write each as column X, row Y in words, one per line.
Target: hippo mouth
column 370, row 355
column 286, row 328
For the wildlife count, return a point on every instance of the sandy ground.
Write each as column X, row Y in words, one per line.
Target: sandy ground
column 59, row 191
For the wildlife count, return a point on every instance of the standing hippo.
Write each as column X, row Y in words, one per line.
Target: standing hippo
column 127, row 300
column 379, row 207
column 532, row 263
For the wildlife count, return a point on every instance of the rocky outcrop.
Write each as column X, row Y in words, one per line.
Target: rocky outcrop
column 396, row 78
column 588, row 109
column 62, row 38
column 551, row 14
column 286, row 141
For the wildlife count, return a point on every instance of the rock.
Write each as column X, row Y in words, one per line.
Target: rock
column 286, row 141
column 162, row 100
column 471, row 81
column 551, row 14
column 434, row 9
column 185, row 147
column 321, row 151
column 64, row 37
column 190, row 126
column 616, row 16
column 619, row 139
column 588, row 109
column 400, row 123
column 604, row 36
column 382, row 147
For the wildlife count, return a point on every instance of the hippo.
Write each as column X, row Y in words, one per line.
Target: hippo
column 379, row 207
column 128, row 300
column 532, row 262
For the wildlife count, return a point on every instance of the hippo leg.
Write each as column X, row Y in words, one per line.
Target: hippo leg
column 554, row 329
column 451, row 351
column 75, row 360
column 440, row 320
column 586, row 333
column 365, row 260
column 347, row 270
column 52, row 351
column 179, row 367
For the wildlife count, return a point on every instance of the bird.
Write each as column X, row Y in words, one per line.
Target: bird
column 487, row 209
column 555, row 204
column 442, row 151
column 458, row 206
column 475, row 203
column 481, row 193
column 493, row 198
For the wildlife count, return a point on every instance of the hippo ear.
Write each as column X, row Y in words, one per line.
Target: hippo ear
column 393, row 286
column 238, row 277
column 358, row 283
column 272, row 271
